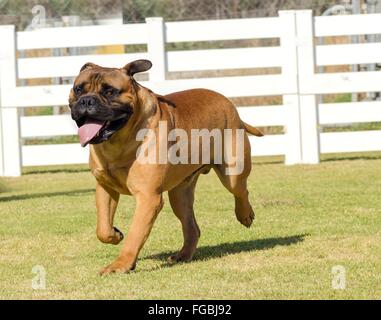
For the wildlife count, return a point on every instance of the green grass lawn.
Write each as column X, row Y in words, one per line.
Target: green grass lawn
column 308, row 220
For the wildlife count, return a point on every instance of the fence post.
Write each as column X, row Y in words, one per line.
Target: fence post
column 309, row 118
column 10, row 128
column 156, row 48
column 290, row 73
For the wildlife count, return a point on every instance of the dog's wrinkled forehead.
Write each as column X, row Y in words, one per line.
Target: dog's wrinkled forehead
column 94, row 79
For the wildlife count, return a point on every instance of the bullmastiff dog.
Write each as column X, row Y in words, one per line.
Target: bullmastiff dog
column 110, row 108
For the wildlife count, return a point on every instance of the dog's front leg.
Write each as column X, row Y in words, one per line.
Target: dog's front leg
column 147, row 208
column 107, row 202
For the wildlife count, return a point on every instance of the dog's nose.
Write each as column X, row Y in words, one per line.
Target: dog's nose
column 87, row 105
column 87, row 102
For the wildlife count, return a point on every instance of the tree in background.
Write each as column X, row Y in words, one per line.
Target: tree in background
column 19, row 11
column 137, row 10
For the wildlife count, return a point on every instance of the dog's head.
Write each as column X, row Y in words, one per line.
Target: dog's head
column 102, row 100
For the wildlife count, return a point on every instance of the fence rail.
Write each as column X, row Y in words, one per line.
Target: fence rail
column 296, row 55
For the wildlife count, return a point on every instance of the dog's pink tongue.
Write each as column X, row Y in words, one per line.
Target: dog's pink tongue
column 88, row 131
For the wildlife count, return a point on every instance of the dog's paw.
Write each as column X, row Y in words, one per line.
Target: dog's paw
column 246, row 219
column 118, row 266
column 247, row 222
column 179, row 257
column 118, row 236
column 113, row 237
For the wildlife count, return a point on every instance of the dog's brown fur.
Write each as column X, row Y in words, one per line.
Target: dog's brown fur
column 114, row 164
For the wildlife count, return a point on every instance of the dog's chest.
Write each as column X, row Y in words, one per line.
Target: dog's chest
column 112, row 179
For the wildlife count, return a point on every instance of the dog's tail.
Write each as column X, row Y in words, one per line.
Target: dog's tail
column 252, row 130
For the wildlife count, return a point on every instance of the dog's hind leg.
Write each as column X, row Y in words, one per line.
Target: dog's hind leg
column 237, row 185
column 107, row 202
column 181, row 199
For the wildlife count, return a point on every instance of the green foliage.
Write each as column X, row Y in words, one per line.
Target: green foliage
column 55, row 140
column 354, row 127
column 346, row 97
column 138, row 10
column 40, row 111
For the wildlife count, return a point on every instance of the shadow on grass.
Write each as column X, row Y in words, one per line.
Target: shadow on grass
column 58, row 170
column 45, row 194
column 351, row 158
column 223, row 249
column 263, row 160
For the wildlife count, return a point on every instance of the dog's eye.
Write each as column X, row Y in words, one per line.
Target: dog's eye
column 77, row 90
column 110, row 92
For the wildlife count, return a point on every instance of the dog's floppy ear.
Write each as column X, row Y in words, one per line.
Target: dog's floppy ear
column 88, row 65
column 137, row 66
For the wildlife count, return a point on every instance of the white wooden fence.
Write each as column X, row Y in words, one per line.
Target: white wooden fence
column 298, row 83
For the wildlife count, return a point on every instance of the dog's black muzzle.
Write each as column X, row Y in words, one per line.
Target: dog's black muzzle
column 90, row 107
